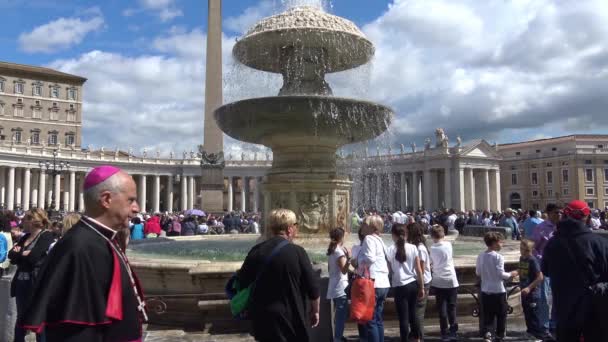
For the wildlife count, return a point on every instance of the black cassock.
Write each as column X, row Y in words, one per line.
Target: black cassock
column 85, row 291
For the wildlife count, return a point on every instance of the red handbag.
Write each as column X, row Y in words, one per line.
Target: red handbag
column 363, row 299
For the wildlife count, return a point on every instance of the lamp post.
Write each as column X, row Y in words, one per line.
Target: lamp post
column 53, row 169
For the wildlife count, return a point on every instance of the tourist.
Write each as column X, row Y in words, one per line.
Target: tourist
column 444, row 283
column 86, row 290
column 137, row 229
column 530, row 279
column 530, row 223
column 68, row 221
column 203, row 228
column 255, row 226
column 576, row 260
column 5, row 230
column 278, row 303
column 152, row 227
column 542, row 233
column 415, row 236
column 28, row 254
column 189, row 226
column 373, row 257
column 175, row 228
column 511, row 222
column 406, row 281
column 490, row 267
column 594, row 220
column 451, row 220
column 338, row 263
column 486, row 221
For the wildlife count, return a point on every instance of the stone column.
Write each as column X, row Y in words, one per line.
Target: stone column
column 66, row 200
column 460, row 191
column 427, row 196
column 447, row 188
column 27, row 178
column 81, row 193
column 415, row 191
column 184, row 193
column 486, row 189
column 470, row 189
column 191, row 192
column 378, row 191
column 18, row 187
column 256, row 194
column 404, row 190
column 169, row 194
column 230, row 194
column 244, row 195
column 10, row 201
column 391, row 191
column 72, row 200
column 142, row 193
column 156, row 194
column 213, row 137
column 57, row 191
column 42, row 190
column 2, row 185
column 495, row 195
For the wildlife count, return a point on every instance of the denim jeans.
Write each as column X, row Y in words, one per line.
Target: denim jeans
column 543, row 304
column 532, row 316
column 420, row 313
column 340, row 317
column 446, row 307
column 373, row 331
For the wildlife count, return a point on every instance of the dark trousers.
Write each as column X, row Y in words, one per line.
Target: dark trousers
column 494, row 310
column 532, row 314
column 446, row 306
column 405, row 302
column 23, row 290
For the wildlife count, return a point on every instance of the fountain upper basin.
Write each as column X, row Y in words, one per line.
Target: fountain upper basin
column 276, row 120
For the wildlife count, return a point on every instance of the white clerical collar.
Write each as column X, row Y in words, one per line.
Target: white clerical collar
column 107, row 229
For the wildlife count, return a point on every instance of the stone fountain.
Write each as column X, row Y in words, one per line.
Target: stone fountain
column 305, row 125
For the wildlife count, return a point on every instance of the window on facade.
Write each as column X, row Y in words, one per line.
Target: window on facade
column 18, row 111
column 537, row 151
column 2, row 80
column 72, row 94
column 535, row 193
column 606, row 175
column 70, row 139
column 564, row 163
column 591, row 204
column 513, row 179
column 549, row 164
column 517, row 153
column 534, row 178
column 19, row 101
column 590, row 191
column 549, row 177
column 550, row 193
column 588, row 162
column 53, row 115
column 37, row 90
column 17, row 136
column 52, row 138
column 18, row 88
column 36, row 113
column 71, row 116
column 1, row 108
column 513, row 167
column 589, row 175
column 600, row 146
column 606, row 191
column 36, row 138
column 554, row 149
column 55, row 92
column 535, row 206
column 565, row 192
column 565, row 177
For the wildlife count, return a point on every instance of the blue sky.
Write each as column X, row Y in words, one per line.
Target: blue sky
column 498, row 70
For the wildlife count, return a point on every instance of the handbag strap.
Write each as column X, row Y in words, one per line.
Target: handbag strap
column 274, row 252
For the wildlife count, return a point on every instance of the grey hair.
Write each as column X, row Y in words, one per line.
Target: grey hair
column 91, row 195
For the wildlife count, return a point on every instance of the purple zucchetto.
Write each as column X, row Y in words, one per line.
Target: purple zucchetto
column 98, row 175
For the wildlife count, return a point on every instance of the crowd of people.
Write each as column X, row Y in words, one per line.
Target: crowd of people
column 73, row 281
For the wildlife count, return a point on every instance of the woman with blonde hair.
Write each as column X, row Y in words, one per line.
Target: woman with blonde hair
column 28, row 255
column 68, row 221
column 373, row 257
column 283, row 282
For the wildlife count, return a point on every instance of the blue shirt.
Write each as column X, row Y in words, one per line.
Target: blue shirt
column 529, row 225
column 528, row 271
column 3, row 248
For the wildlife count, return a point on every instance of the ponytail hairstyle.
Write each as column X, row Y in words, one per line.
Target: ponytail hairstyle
column 399, row 231
column 336, row 236
column 415, row 234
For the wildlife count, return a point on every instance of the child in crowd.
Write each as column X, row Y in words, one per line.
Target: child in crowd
column 530, row 278
column 444, row 283
column 415, row 236
column 338, row 263
column 491, row 269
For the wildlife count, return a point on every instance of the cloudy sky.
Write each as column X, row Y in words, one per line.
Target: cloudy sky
column 502, row 70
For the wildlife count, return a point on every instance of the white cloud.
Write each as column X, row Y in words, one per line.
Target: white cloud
column 166, row 10
column 59, row 34
column 250, row 16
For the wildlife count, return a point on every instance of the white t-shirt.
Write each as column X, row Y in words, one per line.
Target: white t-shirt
column 423, row 254
column 372, row 256
column 442, row 266
column 338, row 281
column 491, row 268
column 451, row 221
column 403, row 273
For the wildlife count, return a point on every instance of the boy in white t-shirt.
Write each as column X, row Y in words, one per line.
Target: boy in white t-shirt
column 491, row 269
column 338, row 262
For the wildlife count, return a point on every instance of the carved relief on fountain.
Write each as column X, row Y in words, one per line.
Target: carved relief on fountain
column 342, row 205
column 313, row 212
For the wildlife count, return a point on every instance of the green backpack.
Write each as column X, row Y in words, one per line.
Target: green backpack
column 241, row 297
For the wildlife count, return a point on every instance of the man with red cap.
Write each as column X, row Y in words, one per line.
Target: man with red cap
column 576, row 260
column 86, row 290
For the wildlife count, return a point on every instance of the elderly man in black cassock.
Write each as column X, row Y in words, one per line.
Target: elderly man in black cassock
column 86, row 290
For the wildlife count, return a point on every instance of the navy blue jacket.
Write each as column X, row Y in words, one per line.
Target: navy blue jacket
column 570, row 279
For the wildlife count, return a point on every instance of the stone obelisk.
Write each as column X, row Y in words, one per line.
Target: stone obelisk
column 212, row 184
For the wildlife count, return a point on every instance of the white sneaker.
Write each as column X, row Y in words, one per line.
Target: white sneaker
column 487, row 337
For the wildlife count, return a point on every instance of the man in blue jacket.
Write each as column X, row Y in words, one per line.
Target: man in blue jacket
column 576, row 260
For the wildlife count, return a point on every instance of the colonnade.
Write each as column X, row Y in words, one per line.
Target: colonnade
column 248, row 191
column 433, row 188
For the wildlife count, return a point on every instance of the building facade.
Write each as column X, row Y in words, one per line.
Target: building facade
column 40, row 106
column 555, row 170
